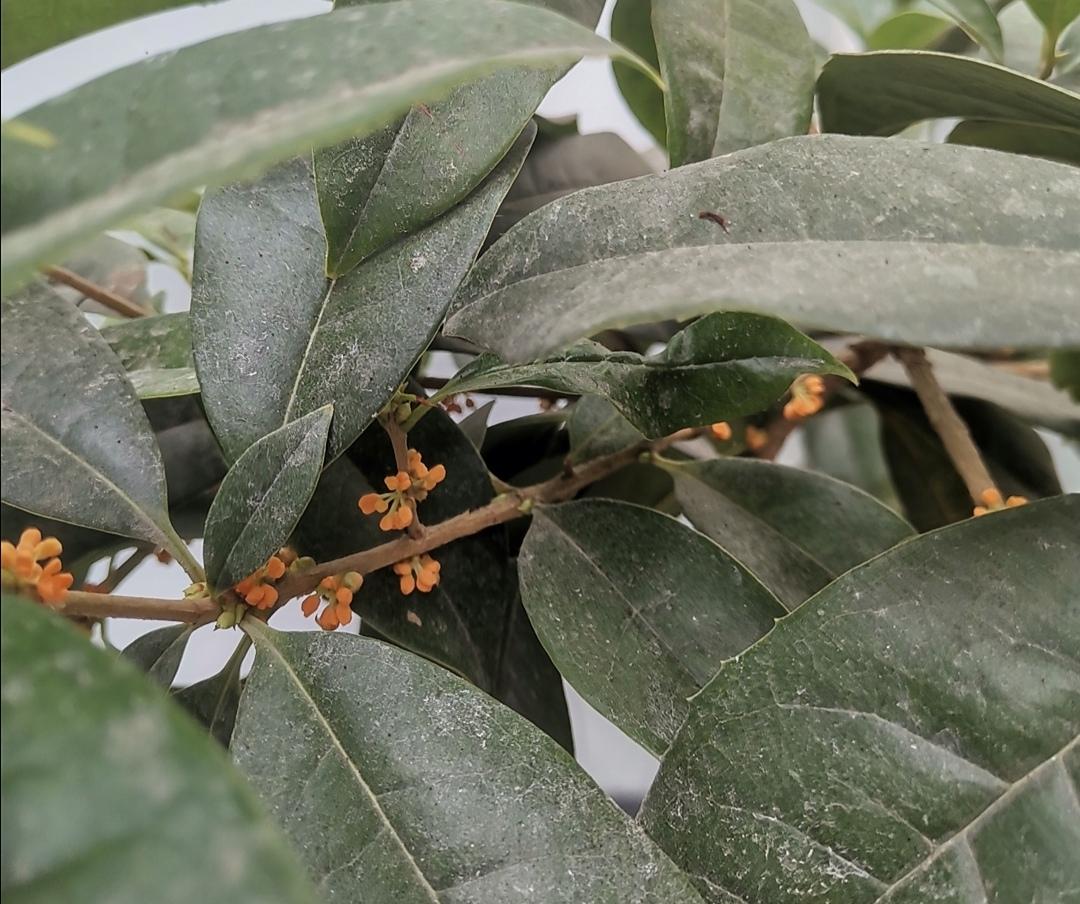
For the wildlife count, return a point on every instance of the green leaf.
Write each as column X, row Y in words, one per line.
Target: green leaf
column 162, row 342
column 637, row 610
column 907, row 31
column 844, row 442
column 113, row 265
column 77, row 444
column 883, row 93
column 631, row 26
column 1065, row 371
column 1030, row 399
column 721, row 367
column 164, row 384
column 474, row 425
column 1055, row 15
column 1035, row 141
column 214, row 701
column 234, row 105
column 112, row 794
column 351, row 341
column 861, row 16
column 434, row 157
column 31, row 26
column 815, row 228
column 399, row 782
column 978, row 21
column 794, row 529
column 909, row 734
column 262, row 498
column 739, row 73
column 159, row 652
column 597, row 428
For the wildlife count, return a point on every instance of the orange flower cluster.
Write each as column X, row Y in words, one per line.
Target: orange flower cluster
column 721, row 430
column 807, row 397
column 336, row 592
column 33, row 567
column 992, row 501
column 406, row 489
column 418, row 573
column 258, row 589
column 755, row 437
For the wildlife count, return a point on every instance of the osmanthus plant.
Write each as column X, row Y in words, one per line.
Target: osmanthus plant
column 860, row 670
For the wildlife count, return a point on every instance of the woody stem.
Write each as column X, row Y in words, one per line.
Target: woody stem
column 948, row 425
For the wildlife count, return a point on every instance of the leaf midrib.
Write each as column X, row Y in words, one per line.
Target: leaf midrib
column 353, row 768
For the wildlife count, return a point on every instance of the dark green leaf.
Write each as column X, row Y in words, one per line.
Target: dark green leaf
column 1035, row 141
column 152, row 343
column 233, row 105
column 262, row 498
column 907, row 735
column 817, row 234
column 159, row 652
column 77, row 445
column 214, row 701
column 739, row 73
column 637, row 610
column 907, row 31
column 350, row 341
column 1065, row 371
column 112, row 794
column 398, row 782
column 597, row 428
column 978, row 21
column 31, row 26
column 794, row 529
column 631, row 26
column 844, row 442
column 474, row 424
column 720, row 367
column 883, row 93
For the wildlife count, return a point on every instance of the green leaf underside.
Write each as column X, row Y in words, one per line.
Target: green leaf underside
column 197, row 120
column 76, row 443
column 637, row 610
column 794, row 529
column 159, row 652
column 597, row 428
column 397, row 781
column 161, row 342
column 32, row 26
column 112, row 794
column 883, row 93
column 275, row 339
column 739, row 73
column 262, row 498
column 435, row 156
column 816, row 229
column 909, row 734
column 721, row 367
column 978, row 21
column 164, row 384
column 1052, row 143
column 631, row 26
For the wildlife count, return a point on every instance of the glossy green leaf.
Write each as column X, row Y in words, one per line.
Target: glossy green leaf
column 159, row 652
column 907, row 31
column 351, row 340
column 885, row 92
column 720, row 367
column 978, row 21
column 472, row 618
column 31, row 26
column 184, row 118
column 959, row 375
column 739, row 73
column 214, row 701
column 796, row 530
column 262, row 498
column 1035, row 141
column 112, row 794
column 399, row 782
column 816, row 233
column 631, row 26
column 637, row 610
column 597, row 428
column 77, row 445
column 907, row 735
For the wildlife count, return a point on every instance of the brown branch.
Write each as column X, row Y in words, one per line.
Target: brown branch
column 101, row 605
column 948, row 425
column 114, row 302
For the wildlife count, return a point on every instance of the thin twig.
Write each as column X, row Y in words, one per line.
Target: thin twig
column 526, row 392
column 948, row 425
column 104, row 605
column 116, row 303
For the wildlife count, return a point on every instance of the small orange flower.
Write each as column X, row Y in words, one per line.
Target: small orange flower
column 807, row 397
column 337, row 592
column 992, row 501
column 373, row 502
column 721, row 430
column 33, row 567
column 404, row 490
column 755, row 438
column 257, row 589
column 418, row 573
